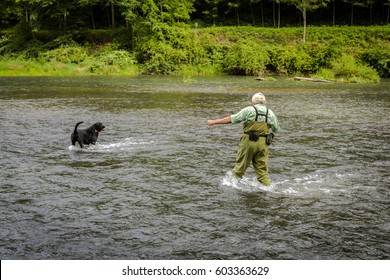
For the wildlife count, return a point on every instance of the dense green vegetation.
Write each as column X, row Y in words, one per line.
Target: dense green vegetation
column 347, row 53
column 54, row 37
column 111, row 14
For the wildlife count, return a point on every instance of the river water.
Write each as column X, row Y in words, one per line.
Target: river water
column 157, row 185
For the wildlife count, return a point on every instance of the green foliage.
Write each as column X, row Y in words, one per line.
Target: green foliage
column 246, row 58
column 289, row 60
column 168, row 48
column 332, row 53
column 379, row 59
column 61, row 40
column 65, row 55
column 96, row 37
column 162, row 58
column 65, row 15
column 324, row 74
column 120, row 58
column 107, row 62
column 347, row 68
column 31, row 50
column 323, row 53
column 16, row 41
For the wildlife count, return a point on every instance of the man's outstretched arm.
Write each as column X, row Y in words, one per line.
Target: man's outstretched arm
column 225, row 120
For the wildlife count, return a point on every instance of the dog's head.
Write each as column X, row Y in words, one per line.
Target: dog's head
column 99, row 126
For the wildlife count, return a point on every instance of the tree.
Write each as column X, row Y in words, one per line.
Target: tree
column 212, row 9
column 139, row 13
column 388, row 11
column 8, row 12
column 63, row 7
column 307, row 5
column 235, row 5
column 89, row 4
column 369, row 3
column 354, row 3
column 276, row 2
column 262, row 12
column 30, row 8
column 334, row 13
column 112, row 2
column 172, row 11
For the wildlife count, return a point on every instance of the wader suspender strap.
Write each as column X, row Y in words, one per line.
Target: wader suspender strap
column 254, row 136
column 257, row 114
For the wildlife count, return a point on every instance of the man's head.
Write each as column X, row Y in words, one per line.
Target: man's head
column 258, row 98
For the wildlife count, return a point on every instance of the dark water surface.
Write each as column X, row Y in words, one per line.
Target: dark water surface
column 157, row 184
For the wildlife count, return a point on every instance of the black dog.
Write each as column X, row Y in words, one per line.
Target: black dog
column 86, row 136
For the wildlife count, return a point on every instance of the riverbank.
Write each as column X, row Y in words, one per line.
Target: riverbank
column 348, row 54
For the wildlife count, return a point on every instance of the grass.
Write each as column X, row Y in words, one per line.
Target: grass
column 17, row 67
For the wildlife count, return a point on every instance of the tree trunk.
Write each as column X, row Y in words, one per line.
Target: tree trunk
column 334, row 12
column 59, row 17
column 370, row 13
column 252, row 13
column 279, row 15
column 112, row 15
column 351, row 14
column 388, row 13
column 238, row 17
column 29, row 22
column 304, row 24
column 93, row 19
column 273, row 13
column 262, row 13
column 65, row 18
column 311, row 80
column 108, row 18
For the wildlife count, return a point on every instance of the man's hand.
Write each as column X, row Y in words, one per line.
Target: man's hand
column 210, row 122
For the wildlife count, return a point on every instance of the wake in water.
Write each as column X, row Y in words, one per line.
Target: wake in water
column 245, row 184
column 318, row 183
column 127, row 144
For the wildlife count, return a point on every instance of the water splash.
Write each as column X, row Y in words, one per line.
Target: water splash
column 245, row 184
column 127, row 144
column 318, row 183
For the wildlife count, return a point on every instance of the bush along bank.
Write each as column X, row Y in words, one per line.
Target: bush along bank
column 351, row 54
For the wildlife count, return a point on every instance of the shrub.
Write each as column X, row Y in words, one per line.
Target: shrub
column 246, row 58
column 65, row 40
column 110, row 62
column 164, row 59
column 347, row 67
column 32, row 50
column 65, row 55
column 322, row 54
column 167, row 48
column 290, row 60
column 118, row 58
column 325, row 74
column 379, row 59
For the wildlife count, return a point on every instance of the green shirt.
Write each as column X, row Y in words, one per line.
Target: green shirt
column 248, row 114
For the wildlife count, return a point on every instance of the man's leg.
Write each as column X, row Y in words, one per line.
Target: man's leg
column 243, row 159
column 260, row 164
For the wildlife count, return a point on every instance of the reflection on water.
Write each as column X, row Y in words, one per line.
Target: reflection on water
column 157, row 185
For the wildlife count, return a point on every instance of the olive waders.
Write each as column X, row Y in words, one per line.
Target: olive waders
column 253, row 148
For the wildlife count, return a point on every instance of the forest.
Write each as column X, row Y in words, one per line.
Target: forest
column 332, row 39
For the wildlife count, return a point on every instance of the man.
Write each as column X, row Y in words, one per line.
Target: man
column 257, row 120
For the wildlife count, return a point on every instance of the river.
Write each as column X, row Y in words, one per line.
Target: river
column 157, row 184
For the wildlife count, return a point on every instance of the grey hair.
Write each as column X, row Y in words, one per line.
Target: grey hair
column 258, row 98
